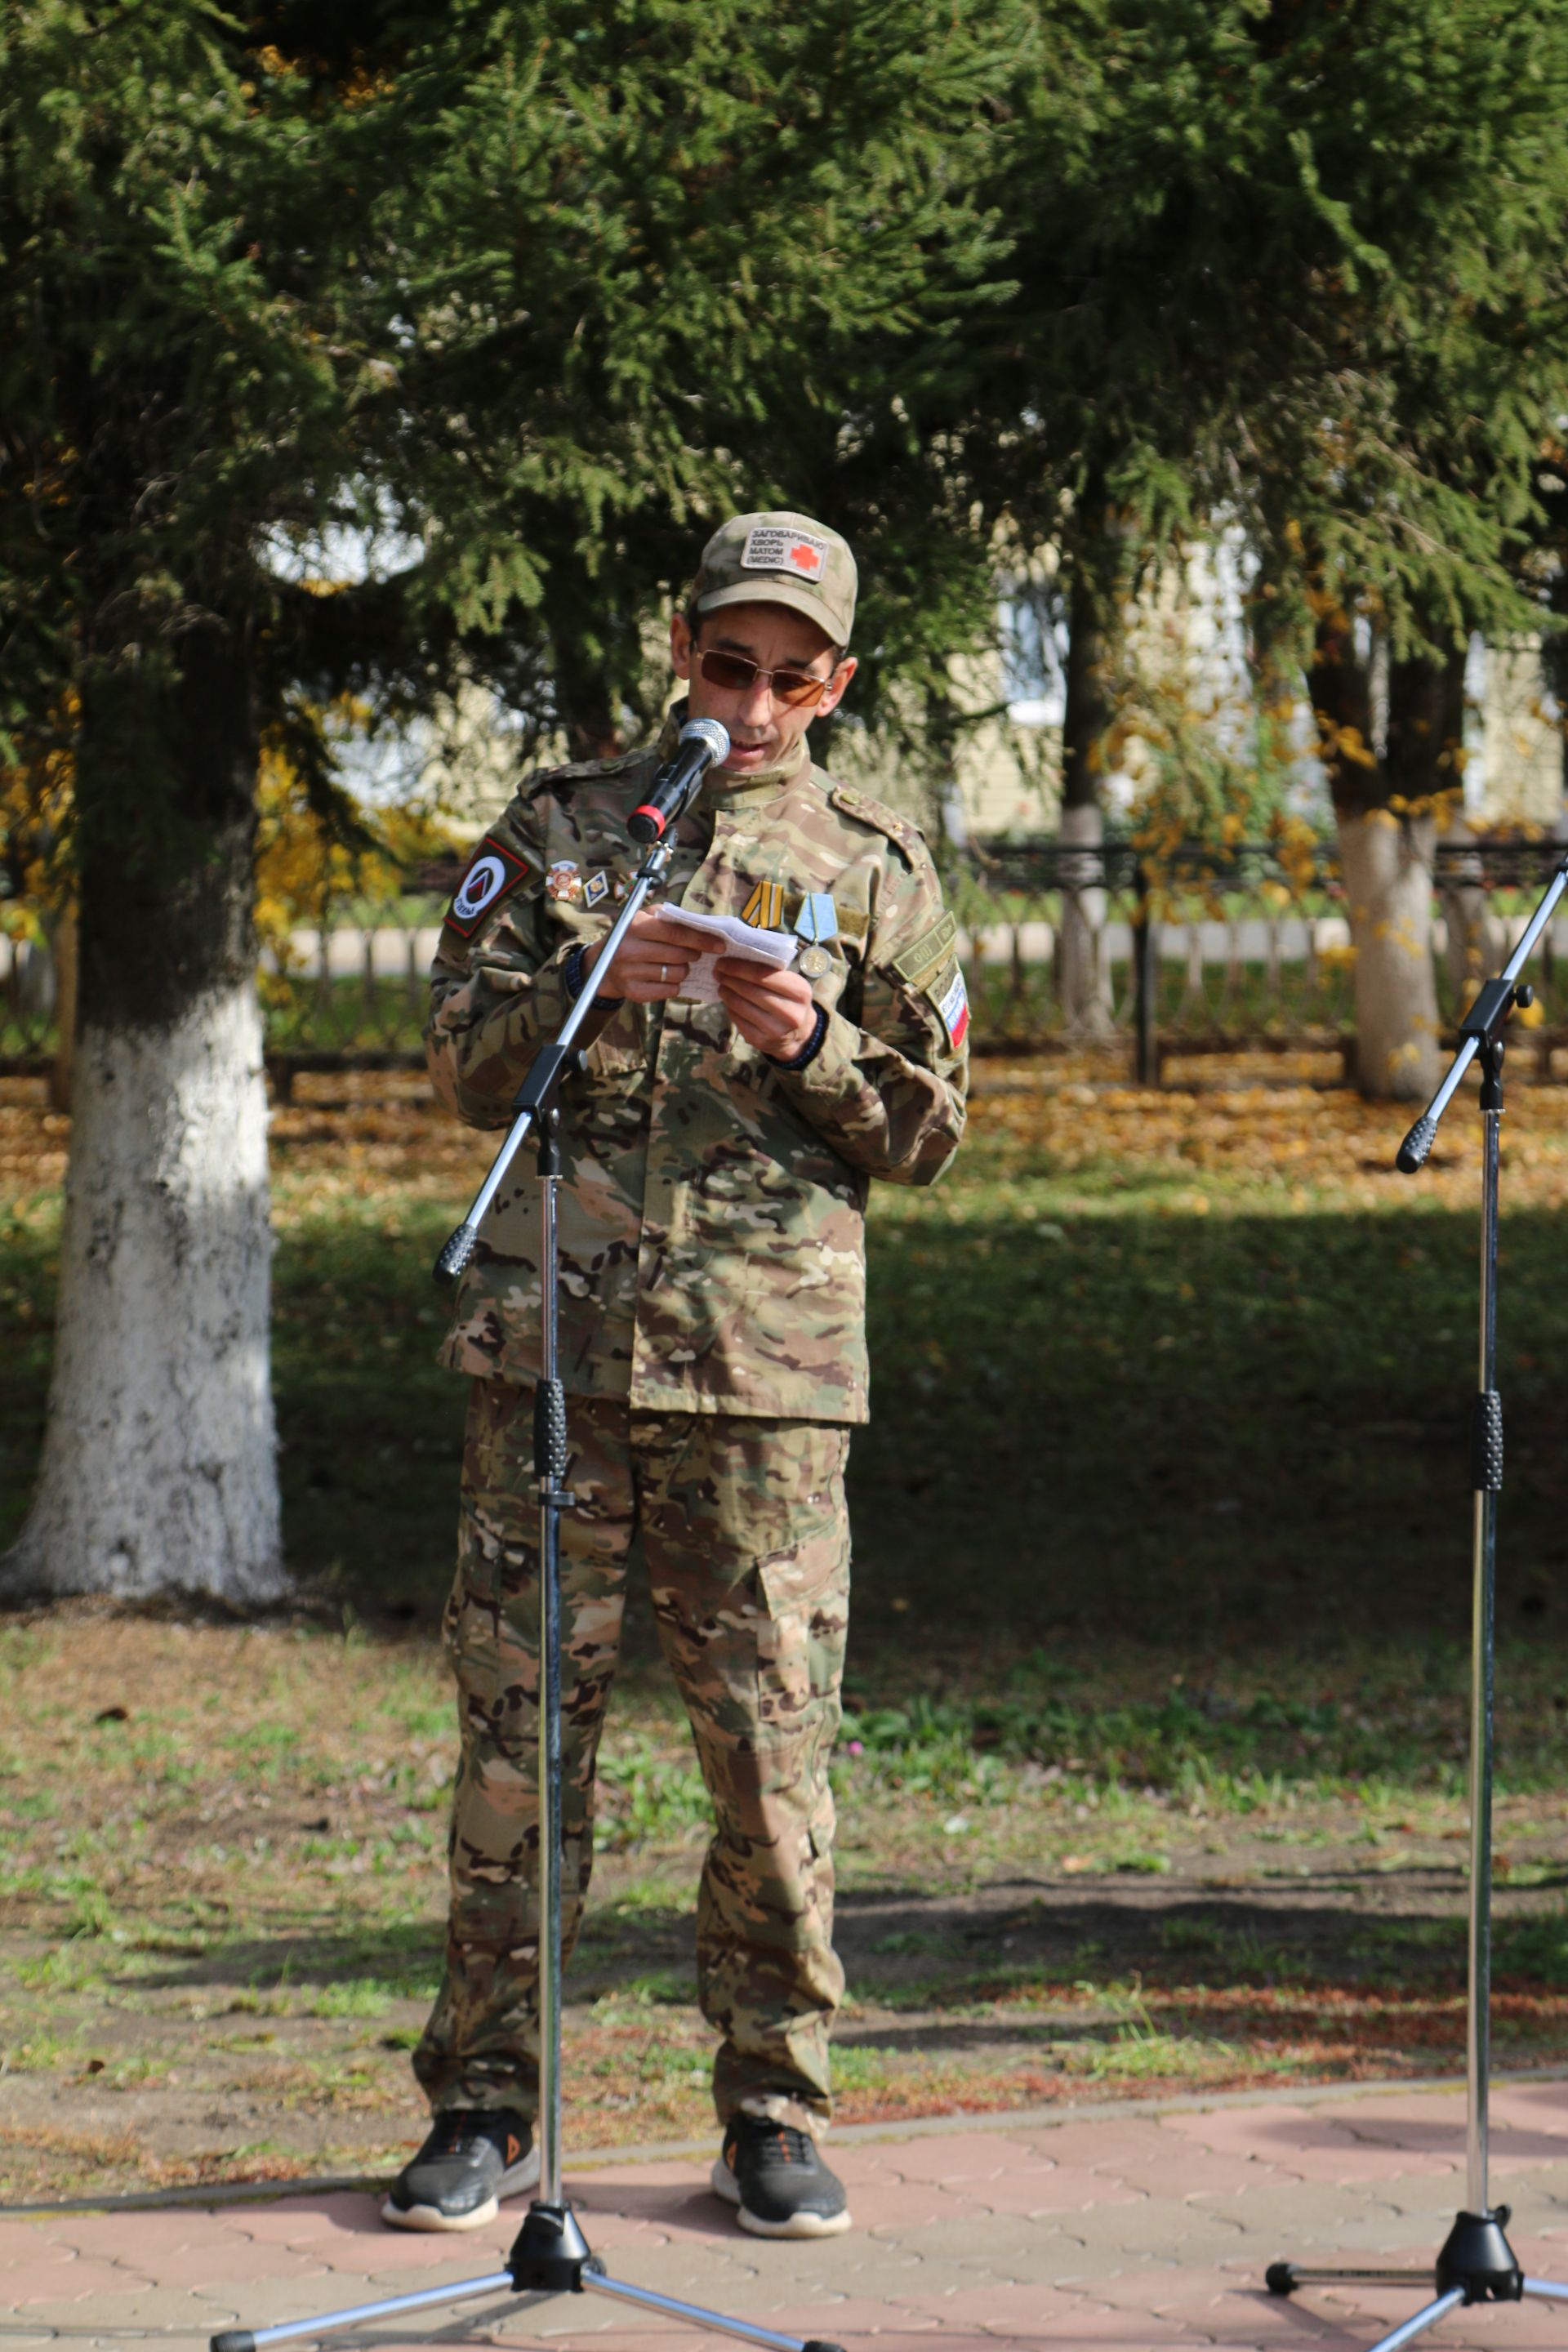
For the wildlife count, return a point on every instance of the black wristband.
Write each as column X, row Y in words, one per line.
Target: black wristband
column 571, row 976
column 810, row 1050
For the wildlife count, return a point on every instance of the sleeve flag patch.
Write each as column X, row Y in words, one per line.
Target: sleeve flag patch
column 954, row 1010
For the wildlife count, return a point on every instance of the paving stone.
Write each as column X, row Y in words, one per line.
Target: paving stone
column 228, row 2265
column 1543, row 2106
column 839, row 2316
column 175, row 2341
column 1304, row 2141
column 72, row 2282
column 180, row 2307
column 1440, row 2133
column 915, row 2204
column 42, row 2279
column 1285, row 2209
column 866, row 2161
column 863, row 2264
column 1103, row 2147
column 1000, row 2305
column 678, row 2207
column 1194, row 2172
column 1064, row 2189
column 33, row 2241
column 139, row 2237
column 392, row 2252
column 958, row 2157
column 989, row 2239
column 1152, row 2228
column 293, row 2220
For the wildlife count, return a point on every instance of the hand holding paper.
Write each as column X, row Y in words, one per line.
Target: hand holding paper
column 725, row 935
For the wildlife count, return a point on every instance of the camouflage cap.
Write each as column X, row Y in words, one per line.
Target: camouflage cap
column 780, row 559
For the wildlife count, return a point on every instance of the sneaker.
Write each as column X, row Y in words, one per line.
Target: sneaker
column 777, row 2177
column 471, row 2161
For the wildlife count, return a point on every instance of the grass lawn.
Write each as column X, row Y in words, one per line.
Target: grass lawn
column 1153, row 1774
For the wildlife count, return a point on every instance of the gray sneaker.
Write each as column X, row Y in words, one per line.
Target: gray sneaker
column 472, row 2158
column 777, row 2177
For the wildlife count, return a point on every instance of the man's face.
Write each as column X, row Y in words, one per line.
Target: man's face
column 763, row 732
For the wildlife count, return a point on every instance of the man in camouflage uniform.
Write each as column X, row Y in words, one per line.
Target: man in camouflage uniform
column 716, row 1161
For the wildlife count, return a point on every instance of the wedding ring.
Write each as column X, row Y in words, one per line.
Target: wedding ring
column 663, row 973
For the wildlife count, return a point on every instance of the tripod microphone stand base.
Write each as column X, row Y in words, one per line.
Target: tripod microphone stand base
column 549, row 2256
column 1477, row 2264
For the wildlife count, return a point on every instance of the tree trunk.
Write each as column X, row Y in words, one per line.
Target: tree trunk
column 159, row 1473
column 1094, row 622
column 1386, row 852
column 63, row 1066
column 1386, row 861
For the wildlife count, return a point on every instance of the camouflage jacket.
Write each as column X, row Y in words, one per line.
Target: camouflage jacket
column 711, row 1225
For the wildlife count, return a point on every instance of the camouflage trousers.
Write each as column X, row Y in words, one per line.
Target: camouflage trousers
column 745, row 1536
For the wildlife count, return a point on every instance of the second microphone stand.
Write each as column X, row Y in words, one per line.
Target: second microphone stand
column 549, row 2255
column 1475, row 2264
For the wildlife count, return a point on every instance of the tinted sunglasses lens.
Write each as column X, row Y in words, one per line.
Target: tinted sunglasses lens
column 795, row 686
column 733, row 671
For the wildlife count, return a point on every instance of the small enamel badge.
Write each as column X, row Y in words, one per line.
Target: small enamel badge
column 597, row 887
column 765, row 908
column 563, row 880
column 818, row 918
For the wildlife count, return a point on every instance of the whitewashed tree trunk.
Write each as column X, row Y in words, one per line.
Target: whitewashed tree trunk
column 1386, row 861
column 1082, row 969
column 158, row 1472
column 1476, row 944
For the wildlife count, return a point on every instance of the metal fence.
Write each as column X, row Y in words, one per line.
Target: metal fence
column 1068, row 949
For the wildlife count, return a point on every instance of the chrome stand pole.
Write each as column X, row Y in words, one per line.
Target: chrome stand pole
column 1487, row 1468
column 550, row 1455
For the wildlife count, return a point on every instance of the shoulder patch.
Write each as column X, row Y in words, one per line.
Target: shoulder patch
column 873, row 811
column 932, row 949
column 494, row 871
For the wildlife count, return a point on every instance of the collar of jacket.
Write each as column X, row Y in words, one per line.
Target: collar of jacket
column 761, row 783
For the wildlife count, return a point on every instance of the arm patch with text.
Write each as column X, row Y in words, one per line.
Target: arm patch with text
column 915, row 966
column 494, row 871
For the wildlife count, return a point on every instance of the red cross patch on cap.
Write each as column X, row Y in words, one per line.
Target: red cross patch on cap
column 769, row 549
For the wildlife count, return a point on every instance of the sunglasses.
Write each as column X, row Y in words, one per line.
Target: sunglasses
column 795, row 689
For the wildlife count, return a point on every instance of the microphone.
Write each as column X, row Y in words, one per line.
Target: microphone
column 702, row 742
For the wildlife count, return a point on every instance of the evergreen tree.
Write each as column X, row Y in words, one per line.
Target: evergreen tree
column 518, row 297
column 1294, row 267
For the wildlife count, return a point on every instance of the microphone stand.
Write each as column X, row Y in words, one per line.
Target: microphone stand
column 550, row 2254
column 1475, row 2263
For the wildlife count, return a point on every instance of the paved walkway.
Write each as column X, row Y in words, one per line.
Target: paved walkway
column 1144, row 2227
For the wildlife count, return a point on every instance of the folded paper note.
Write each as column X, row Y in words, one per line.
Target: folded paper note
column 728, row 935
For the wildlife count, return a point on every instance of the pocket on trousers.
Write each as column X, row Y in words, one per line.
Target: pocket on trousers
column 803, row 1621
column 470, row 1635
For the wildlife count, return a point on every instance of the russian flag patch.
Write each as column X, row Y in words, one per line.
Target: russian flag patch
column 954, row 1009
